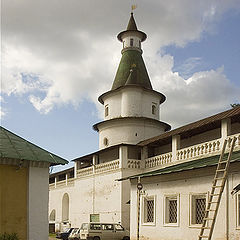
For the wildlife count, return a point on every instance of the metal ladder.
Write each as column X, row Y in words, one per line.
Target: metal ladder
column 216, row 193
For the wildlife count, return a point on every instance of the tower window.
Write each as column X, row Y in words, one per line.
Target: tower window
column 131, row 42
column 154, row 109
column 106, row 111
column 105, row 142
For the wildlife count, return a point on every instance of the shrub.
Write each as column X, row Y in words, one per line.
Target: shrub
column 9, row 236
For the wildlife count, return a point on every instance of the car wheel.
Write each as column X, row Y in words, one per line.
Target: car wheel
column 96, row 238
column 126, row 238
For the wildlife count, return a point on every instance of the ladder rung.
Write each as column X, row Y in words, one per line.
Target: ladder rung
column 211, row 210
column 221, row 170
column 202, row 236
column 214, row 194
column 207, row 218
column 205, row 227
column 220, row 178
column 214, row 186
column 212, row 202
column 225, row 161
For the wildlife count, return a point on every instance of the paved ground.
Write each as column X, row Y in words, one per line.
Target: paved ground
column 52, row 238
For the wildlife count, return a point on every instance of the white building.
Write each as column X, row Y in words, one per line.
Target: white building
column 133, row 141
column 177, row 179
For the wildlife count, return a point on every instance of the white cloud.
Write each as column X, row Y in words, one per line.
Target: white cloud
column 66, row 50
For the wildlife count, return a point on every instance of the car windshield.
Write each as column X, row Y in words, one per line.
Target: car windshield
column 67, row 230
column 84, row 226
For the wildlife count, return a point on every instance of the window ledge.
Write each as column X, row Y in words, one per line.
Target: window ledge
column 149, row 224
column 171, row 224
column 195, row 226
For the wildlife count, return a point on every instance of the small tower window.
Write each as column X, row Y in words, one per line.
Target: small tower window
column 131, row 42
column 106, row 111
column 105, row 142
column 154, row 109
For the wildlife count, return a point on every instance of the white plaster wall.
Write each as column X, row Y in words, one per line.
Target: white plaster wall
column 131, row 132
column 136, row 38
column 99, row 194
column 38, row 203
column 132, row 102
column 184, row 186
column 55, row 201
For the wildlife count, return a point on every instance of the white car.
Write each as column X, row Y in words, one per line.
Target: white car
column 103, row 231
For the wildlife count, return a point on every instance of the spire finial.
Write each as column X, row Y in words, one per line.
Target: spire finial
column 133, row 7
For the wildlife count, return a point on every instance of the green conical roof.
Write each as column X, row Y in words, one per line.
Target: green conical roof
column 131, row 70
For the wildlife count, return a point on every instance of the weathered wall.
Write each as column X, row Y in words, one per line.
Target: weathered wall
column 13, row 200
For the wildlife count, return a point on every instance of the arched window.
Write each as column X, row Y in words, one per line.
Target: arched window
column 52, row 216
column 154, row 109
column 106, row 111
column 65, row 208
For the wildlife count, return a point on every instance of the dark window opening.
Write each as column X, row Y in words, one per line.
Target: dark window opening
column 131, row 42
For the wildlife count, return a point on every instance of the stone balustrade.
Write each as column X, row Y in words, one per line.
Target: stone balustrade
column 185, row 154
column 133, row 163
column 108, row 166
column 192, row 152
column 85, row 171
column 199, row 150
column 158, row 160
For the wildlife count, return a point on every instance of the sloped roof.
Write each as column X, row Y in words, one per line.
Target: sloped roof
column 195, row 127
column 15, row 147
column 132, row 62
column 190, row 165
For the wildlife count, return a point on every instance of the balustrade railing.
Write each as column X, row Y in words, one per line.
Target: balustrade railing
column 199, row 150
column 133, row 163
column 85, row 171
column 108, row 166
column 158, row 160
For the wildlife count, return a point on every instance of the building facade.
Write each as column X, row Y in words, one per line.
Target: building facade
column 134, row 142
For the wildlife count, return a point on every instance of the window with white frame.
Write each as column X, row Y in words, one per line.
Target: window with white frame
column 198, row 207
column 171, row 210
column 148, row 210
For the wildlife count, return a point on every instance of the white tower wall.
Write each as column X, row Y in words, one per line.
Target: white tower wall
column 132, row 102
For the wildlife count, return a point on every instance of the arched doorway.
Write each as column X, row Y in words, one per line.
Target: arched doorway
column 65, row 208
column 52, row 219
column 52, row 216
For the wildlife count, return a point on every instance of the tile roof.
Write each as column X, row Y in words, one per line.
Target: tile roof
column 15, row 147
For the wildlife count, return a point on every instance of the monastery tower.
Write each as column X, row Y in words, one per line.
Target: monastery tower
column 131, row 107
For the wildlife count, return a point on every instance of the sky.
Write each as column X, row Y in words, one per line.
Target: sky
column 58, row 56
